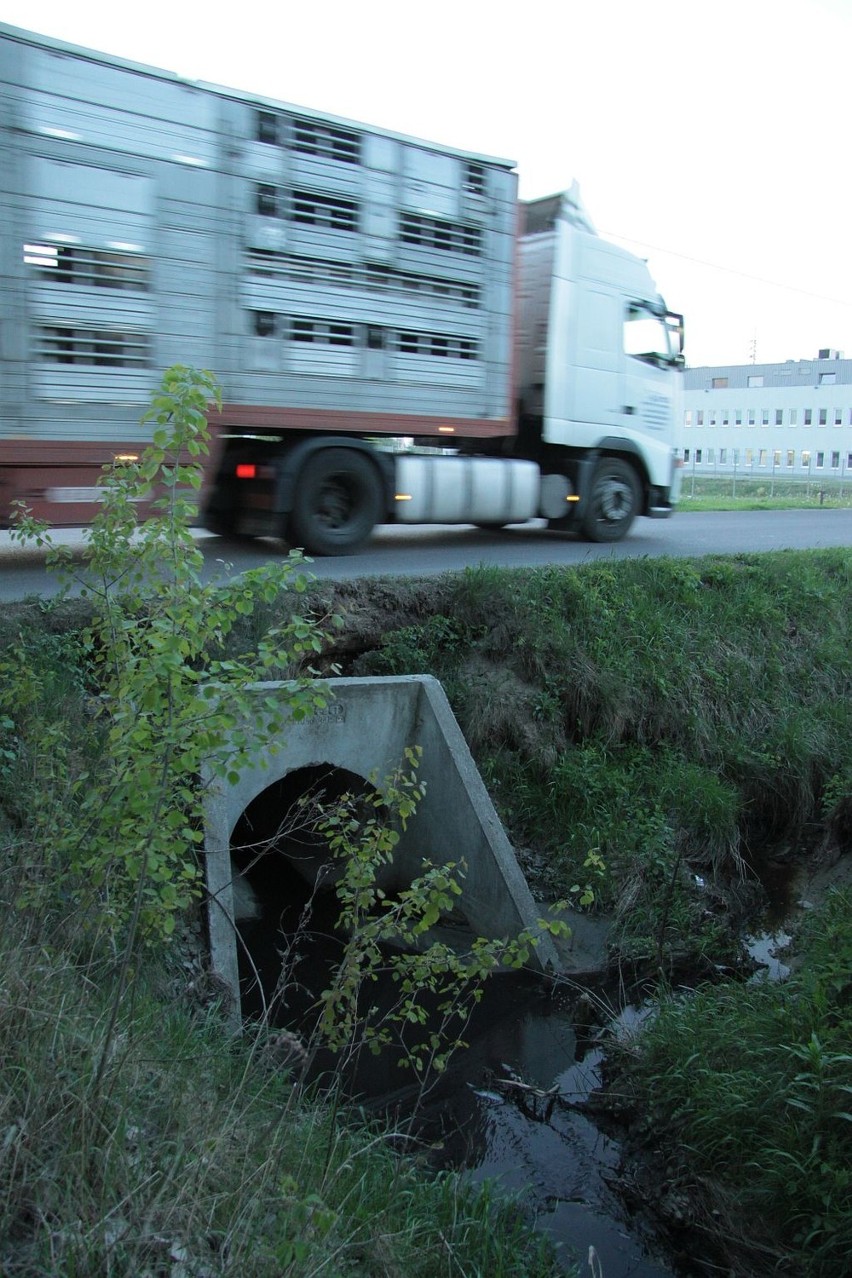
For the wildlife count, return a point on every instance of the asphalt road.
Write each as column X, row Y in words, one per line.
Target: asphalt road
column 427, row 550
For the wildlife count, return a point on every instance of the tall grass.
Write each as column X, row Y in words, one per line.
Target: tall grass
column 677, row 719
column 683, row 718
column 753, row 1085
column 193, row 1154
column 138, row 1137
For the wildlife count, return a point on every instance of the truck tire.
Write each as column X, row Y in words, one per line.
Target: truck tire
column 337, row 503
column 613, row 502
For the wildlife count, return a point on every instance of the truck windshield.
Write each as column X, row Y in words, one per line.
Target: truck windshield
column 655, row 336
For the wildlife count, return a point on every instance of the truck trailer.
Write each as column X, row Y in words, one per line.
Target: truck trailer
column 398, row 338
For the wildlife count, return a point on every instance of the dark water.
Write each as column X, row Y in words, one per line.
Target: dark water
column 488, row 1115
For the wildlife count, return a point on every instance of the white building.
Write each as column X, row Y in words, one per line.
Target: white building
column 792, row 419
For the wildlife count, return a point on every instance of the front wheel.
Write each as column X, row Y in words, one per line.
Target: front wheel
column 613, row 501
column 337, row 504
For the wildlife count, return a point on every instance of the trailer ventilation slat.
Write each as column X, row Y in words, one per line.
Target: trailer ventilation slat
column 433, row 232
column 316, row 138
column 377, row 276
column 324, row 210
column 322, row 332
column 97, row 347
column 441, row 345
column 98, row 268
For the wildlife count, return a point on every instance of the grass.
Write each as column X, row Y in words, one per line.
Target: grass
column 754, row 1086
column 744, row 492
column 196, row 1154
column 677, row 717
column 159, row 1144
column 654, row 729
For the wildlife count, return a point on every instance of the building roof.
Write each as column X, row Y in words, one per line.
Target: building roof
column 793, row 372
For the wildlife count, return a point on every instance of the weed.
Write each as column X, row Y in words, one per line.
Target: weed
column 755, row 1083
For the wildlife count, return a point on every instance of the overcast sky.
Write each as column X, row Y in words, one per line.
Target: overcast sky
column 710, row 136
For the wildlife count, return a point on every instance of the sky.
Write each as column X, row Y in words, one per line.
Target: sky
column 709, row 136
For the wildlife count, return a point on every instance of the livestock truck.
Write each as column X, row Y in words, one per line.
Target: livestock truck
column 398, row 338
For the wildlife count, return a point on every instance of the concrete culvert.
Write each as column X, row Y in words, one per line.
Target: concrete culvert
column 279, row 826
column 363, row 732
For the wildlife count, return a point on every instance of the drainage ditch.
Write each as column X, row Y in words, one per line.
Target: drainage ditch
column 510, row 1108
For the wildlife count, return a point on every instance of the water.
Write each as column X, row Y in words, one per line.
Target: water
column 539, row 1143
column 764, row 949
column 509, row 1109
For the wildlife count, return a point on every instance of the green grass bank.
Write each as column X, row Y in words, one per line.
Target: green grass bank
column 659, row 737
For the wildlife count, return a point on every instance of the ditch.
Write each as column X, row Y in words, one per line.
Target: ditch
column 519, row 1103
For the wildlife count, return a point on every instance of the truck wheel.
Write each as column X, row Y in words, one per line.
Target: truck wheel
column 613, row 501
column 337, row 503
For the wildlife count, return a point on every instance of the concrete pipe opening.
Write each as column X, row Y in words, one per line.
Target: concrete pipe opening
column 284, row 875
column 276, row 836
column 366, row 729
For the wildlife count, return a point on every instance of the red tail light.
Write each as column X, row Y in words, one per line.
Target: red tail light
column 246, row 470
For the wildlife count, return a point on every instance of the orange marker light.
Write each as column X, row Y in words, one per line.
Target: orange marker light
column 246, row 470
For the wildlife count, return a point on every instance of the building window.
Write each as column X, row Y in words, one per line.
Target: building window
column 764, row 417
column 779, row 417
column 794, row 414
column 726, row 416
column 820, row 460
column 749, row 457
column 686, row 454
column 711, row 456
column 736, row 457
column 776, row 457
column 809, row 416
column 712, row 417
column 755, row 379
column 838, row 416
column 791, row 457
column 827, row 379
column 698, row 455
column 849, row 461
column 719, row 383
column 761, row 459
column 738, row 417
column 699, row 417
column 723, row 456
column 751, row 417
column 823, row 416
column 806, row 459
column 835, row 461
column 687, row 417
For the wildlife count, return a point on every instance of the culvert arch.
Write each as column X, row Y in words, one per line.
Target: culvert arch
column 364, row 733
column 279, row 826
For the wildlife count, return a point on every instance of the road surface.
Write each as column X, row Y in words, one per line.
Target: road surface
column 425, row 551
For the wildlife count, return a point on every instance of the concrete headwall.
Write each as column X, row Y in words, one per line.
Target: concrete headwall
column 365, row 730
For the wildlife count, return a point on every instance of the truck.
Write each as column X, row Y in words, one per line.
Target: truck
column 398, row 337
